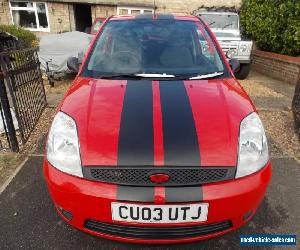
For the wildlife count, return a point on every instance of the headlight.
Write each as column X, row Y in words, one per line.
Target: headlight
column 243, row 48
column 231, row 53
column 253, row 146
column 63, row 146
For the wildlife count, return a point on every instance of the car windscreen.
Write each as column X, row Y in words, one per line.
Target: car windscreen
column 221, row 21
column 153, row 47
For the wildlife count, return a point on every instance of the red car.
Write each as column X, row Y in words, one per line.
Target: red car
column 156, row 141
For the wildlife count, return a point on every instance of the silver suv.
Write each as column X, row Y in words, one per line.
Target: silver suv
column 226, row 26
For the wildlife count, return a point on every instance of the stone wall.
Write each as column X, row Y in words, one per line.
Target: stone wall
column 5, row 17
column 60, row 17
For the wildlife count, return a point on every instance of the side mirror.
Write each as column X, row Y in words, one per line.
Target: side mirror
column 234, row 65
column 73, row 64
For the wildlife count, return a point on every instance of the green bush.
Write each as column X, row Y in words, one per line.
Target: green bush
column 274, row 25
column 27, row 37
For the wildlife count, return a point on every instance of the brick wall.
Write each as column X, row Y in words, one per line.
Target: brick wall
column 103, row 11
column 5, row 17
column 282, row 67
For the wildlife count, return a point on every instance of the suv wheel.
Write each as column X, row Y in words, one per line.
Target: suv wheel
column 243, row 71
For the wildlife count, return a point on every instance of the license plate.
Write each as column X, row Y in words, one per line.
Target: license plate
column 159, row 213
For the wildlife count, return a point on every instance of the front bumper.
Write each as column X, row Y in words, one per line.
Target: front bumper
column 233, row 202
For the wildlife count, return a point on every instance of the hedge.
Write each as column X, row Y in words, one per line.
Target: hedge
column 27, row 37
column 274, row 25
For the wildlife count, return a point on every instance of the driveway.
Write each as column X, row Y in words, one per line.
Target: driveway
column 28, row 219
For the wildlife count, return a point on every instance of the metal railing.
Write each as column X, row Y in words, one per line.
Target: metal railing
column 21, row 93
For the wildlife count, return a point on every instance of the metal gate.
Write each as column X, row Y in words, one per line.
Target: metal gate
column 20, row 74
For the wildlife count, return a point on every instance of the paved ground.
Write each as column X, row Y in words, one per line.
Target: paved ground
column 28, row 219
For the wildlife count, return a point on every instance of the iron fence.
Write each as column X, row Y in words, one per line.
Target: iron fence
column 22, row 93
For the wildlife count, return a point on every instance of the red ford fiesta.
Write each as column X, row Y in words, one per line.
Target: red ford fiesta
column 156, row 141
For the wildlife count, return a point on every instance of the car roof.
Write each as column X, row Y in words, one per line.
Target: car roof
column 155, row 16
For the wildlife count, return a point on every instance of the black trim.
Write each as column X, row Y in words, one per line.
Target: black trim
column 179, row 176
column 183, row 194
column 180, row 137
column 139, row 194
column 136, row 138
column 157, row 233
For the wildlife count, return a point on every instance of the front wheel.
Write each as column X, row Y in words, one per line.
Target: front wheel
column 243, row 72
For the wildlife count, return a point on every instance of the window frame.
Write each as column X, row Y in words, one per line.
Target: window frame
column 34, row 8
column 129, row 9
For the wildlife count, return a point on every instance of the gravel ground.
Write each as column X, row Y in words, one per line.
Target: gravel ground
column 273, row 100
column 40, row 129
column 256, row 89
column 280, row 130
column 56, row 93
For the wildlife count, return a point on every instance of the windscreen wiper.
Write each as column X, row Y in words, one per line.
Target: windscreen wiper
column 120, row 76
column 155, row 75
column 207, row 76
column 163, row 76
column 137, row 76
column 198, row 77
column 226, row 25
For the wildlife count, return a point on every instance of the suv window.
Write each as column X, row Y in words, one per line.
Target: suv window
column 153, row 47
column 221, row 21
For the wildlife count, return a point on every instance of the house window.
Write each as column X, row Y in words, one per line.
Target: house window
column 30, row 15
column 133, row 10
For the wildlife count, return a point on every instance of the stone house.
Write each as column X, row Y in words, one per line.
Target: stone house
column 69, row 15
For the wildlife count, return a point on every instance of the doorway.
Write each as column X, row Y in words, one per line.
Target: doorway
column 83, row 17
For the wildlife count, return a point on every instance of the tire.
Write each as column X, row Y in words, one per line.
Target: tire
column 243, row 71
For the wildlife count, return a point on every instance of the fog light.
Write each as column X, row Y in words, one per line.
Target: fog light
column 65, row 214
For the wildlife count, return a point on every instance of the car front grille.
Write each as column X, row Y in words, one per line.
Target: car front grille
column 177, row 176
column 228, row 45
column 157, row 233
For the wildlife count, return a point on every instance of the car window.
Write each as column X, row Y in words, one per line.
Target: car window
column 221, row 21
column 153, row 46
